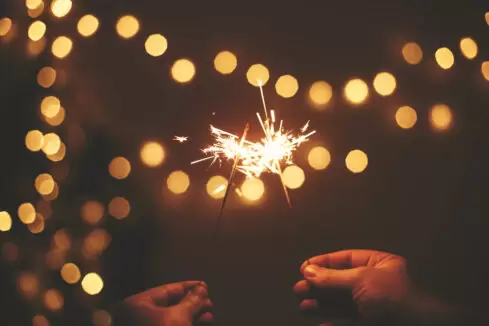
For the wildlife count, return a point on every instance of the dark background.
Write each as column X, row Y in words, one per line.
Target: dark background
column 423, row 195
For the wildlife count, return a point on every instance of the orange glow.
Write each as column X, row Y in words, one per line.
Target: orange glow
column 34, row 140
column 52, row 143
column 53, row 300
column 101, row 318
column 485, row 70
column 441, row 117
column 119, row 208
column 319, row 158
column 87, row 25
column 27, row 213
column 293, row 177
column 50, row 106
column 385, row 83
column 412, row 53
column 53, row 195
column 286, row 86
column 33, row 4
column 487, row 17
column 356, row 91
column 444, row 57
column 183, row 71
column 92, row 212
column 152, row 154
column 61, row 8
column 216, row 186
column 225, row 62
column 95, row 242
column 252, row 189
column 61, row 47
column 5, row 221
column 70, row 273
column 469, row 48
column 36, row 30
column 62, row 240
column 59, row 155
column 356, row 161
column 39, row 320
column 257, row 75
column 57, row 119
column 127, row 26
column 178, row 182
column 44, row 184
column 35, row 48
column 156, row 45
column 119, row 168
column 10, row 252
column 55, row 258
column 28, row 284
column 43, row 207
column 38, row 225
column 46, row 77
column 36, row 12
column 92, row 284
column 406, row 117
column 320, row 94
column 5, row 26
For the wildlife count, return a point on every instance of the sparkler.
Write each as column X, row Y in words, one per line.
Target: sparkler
column 180, row 139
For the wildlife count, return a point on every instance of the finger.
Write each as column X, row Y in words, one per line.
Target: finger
column 332, row 278
column 171, row 292
column 196, row 300
column 302, row 287
column 342, row 259
column 309, row 305
column 206, row 318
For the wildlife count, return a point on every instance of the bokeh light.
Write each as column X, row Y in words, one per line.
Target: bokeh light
column 50, row 106
column 441, row 117
column 412, row 53
column 34, row 140
column 53, row 195
column 95, row 243
column 216, row 186
column 485, row 70
column 36, row 30
column 356, row 161
column 70, row 273
column 61, row 47
column 319, row 158
column 469, row 48
column 101, row 318
column 92, row 283
column 286, row 86
column 119, row 168
column 178, row 182
column 62, row 240
column 61, row 8
column 92, row 212
column 38, row 225
column 406, row 117
column 46, row 77
column 152, row 154
column 37, row 11
column 356, row 91
column 53, row 300
column 444, row 57
column 487, row 17
column 26, row 213
column 253, row 189
column 33, row 4
column 385, row 83
column 127, row 26
column 183, row 70
column 39, row 320
column 57, row 119
column 87, row 25
column 5, row 26
column 33, row 49
column 119, row 208
column 225, row 62
column 156, row 45
column 28, row 284
column 257, row 75
column 44, row 184
column 52, row 143
column 320, row 94
column 59, row 155
column 55, row 258
column 5, row 221
column 293, row 177
column 10, row 252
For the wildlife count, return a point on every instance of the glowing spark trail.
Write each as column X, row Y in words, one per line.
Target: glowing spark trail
column 180, row 139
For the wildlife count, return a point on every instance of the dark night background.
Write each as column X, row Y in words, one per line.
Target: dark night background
column 423, row 195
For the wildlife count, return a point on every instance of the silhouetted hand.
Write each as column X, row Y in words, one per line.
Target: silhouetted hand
column 176, row 304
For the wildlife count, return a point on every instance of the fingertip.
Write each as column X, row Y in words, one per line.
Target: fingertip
column 206, row 318
column 308, row 304
column 301, row 287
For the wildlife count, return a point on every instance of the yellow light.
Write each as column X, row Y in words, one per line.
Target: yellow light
column 356, row 161
column 44, row 184
column 156, row 45
column 39, row 320
column 53, row 300
column 119, row 168
column 70, row 273
column 46, row 77
column 257, row 74
column 35, row 48
column 28, row 284
column 127, row 26
column 59, row 155
column 36, row 30
column 356, row 91
column 385, row 83
column 61, row 47
column 152, row 154
column 178, row 182
column 485, row 70
column 92, row 212
column 412, row 53
column 52, row 143
column 5, row 26
column 53, row 195
column 319, row 158
column 33, row 4
column 50, row 106
column 87, row 25
column 320, row 94
column 183, row 70
column 5, row 221
column 406, row 117
column 469, row 48
column 119, row 208
column 225, row 62
column 444, row 57
column 286, row 86
column 27, row 213
column 36, row 12
column 38, row 225
column 34, row 140
column 101, row 318
column 216, row 186
column 441, row 117
column 92, row 284
column 57, row 119
column 61, row 8
column 253, row 189
column 487, row 17
column 293, row 177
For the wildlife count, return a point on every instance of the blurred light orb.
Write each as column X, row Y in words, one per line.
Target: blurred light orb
column 87, row 25
column 46, row 77
column 59, row 155
column 5, row 26
column 92, row 284
column 183, row 71
column 469, row 48
column 37, row 226
column 385, row 83
column 356, row 91
column 293, row 177
column 225, row 62
column 178, row 182
column 216, row 186
column 50, row 106
column 156, row 45
column 119, row 208
column 253, row 189
column 441, row 117
column 44, row 184
column 52, row 143
column 320, row 94
column 406, row 117
column 485, row 70
column 412, row 53
column 92, row 212
column 27, row 213
column 53, row 300
column 152, row 154
column 127, row 26
column 95, row 242
column 5, row 221
column 28, row 284
column 487, row 17
column 101, row 318
column 62, row 240
column 33, row 4
column 57, row 119
column 61, row 47
column 319, row 158
column 61, row 8
column 257, row 75
column 444, row 57
column 34, row 140
column 356, row 161
column 37, row 11
column 119, row 168
column 70, row 273
column 53, row 195
column 35, row 48
column 36, row 30
column 286, row 86
column 39, row 320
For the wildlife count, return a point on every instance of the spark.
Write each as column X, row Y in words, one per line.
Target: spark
column 219, row 189
column 180, row 139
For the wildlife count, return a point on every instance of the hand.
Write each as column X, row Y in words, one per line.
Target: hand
column 176, row 304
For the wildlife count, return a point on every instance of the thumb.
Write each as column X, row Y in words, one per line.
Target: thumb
column 195, row 300
column 332, row 278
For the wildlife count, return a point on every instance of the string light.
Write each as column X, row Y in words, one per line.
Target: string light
column 46, row 77
column 95, row 243
column 50, row 106
column 36, row 30
column 87, row 25
column 92, row 211
column 356, row 91
column 320, row 94
column 5, row 221
column 27, row 213
column 70, row 273
column 52, row 143
column 92, row 284
column 127, row 26
column 356, row 161
column 34, row 140
column 253, row 189
column 156, row 45
column 61, row 47
column 412, row 53
column 444, row 57
column 152, row 154
column 38, row 225
column 216, row 186
column 119, row 168
column 57, row 119
column 319, row 158
column 33, row 4
column 61, row 8
column 33, row 49
column 183, row 71
column 5, row 26
column 286, row 86
column 119, row 208
column 441, row 117
column 487, row 17
column 53, row 195
column 178, row 182
column 406, row 117
column 257, row 75
column 225, row 62
column 44, row 184
column 385, row 83
column 36, row 12
column 485, row 70
column 28, row 284
column 59, row 155
column 469, row 48
column 293, row 177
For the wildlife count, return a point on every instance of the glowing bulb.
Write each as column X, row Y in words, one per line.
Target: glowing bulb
column 44, row 184
column 5, row 26
column 487, row 17
column 444, row 58
column 5, row 221
column 46, row 77
column 57, row 119
column 127, row 26
column 33, row 4
column 286, row 86
column 412, row 53
column 253, row 189
column 225, row 62
column 119, row 208
column 36, row 30
column 385, row 83
column 319, row 158
column 61, row 8
column 61, row 47
column 183, row 70
column 406, row 117
column 178, row 182
column 34, row 140
column 320, row 94
column 52, row 143
column 356, row 91
column 37, row 11
column 87, row 25
column 152, row 154
column 293, row 177
column 70, row 273
column 38, row 225
column 257, row 75
column 156, row 45
column 50, row 106
column 216, row 186
column 27, row 213
column 53, row 299
column 92, row 284
column 356, row 161
column 469, row 48
column 119, row 168
column 485, row 70
column 441, row 117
